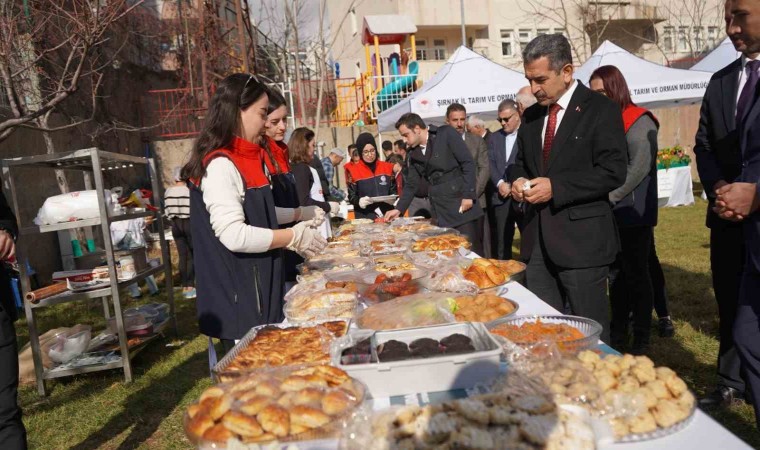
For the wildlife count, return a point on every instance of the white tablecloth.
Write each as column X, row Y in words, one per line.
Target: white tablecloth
column 674, row 187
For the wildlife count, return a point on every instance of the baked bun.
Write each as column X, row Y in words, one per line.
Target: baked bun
column 193, row 409
column 212, row 392
column 254, row 405
column 268, row 388
column 242, row 424
column 335, row 402
column 220, row 406
column 333, row 375
column 217, row 433
column 274, row 419
column 199, row 423
column 308, row 417
column 496, row 275
column 308, row 396
column 294, row 383
column 266, row 437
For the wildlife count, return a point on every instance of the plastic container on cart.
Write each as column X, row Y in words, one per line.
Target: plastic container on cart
column 432, row 374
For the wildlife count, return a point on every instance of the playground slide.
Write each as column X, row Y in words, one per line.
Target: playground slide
column 393, row 92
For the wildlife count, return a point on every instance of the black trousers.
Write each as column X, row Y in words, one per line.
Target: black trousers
column 420, row 206
column 12, row 431
column 747, row 335
column 502, row 219
column 631, row 285
column 727, row 260
column 470, row 231
column 183, row 241
column 658, row 283
column 585, row 289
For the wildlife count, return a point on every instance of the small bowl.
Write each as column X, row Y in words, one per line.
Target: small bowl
column 590, row 329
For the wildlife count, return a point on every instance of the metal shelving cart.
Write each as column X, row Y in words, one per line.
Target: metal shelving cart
column 92, row 162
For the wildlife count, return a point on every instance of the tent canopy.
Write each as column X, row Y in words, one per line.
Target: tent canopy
column 467, row 78
column 720, row 57
column 651, row 85
column 389, row 29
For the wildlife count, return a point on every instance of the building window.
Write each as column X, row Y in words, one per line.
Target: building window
column 506, row 43
column 542, row 31
column 698, row 41
column 439, row 49
column 667, row 39
column 524, row 37
column 712, row 37
column 421, row 50
column 683, row 39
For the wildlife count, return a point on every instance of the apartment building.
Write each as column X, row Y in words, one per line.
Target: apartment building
column 663, row 31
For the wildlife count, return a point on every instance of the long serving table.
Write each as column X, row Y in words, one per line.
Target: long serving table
column 702, row 433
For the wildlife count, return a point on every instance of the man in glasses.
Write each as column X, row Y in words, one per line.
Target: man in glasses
column 502, row 149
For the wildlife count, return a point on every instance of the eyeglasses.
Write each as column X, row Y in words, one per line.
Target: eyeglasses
column 250, row 77
column 368, row 152
column 505, row 119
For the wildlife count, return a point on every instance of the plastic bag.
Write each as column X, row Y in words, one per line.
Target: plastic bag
column 72, row 206
column 70, row 345
column 321, row 305
column 333, row 264
column 404, row 312
column 449, row 279
column 376, row 286
column 286, row 404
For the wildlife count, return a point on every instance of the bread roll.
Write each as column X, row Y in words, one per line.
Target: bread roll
column 274, row 419
column 242, row 424
column 294, row 383
column 199, row 423
column 254, row 405
column 268, row 388
column 217, row 433
column 308, row 417
column 333, row 375
column 335, row 402
column 220, row 406
column 308, row 396
column 212, row 392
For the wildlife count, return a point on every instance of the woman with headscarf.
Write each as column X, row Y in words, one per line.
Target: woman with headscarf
column 369, row 178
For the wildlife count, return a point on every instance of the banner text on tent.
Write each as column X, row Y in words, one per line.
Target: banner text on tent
column 669, row 88
column 475, row 100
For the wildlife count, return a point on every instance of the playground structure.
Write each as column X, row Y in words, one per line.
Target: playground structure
column 387, row 79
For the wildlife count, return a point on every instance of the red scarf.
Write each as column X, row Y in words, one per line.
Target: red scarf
column 246, row 156
column 632, row 113
column 280, row 154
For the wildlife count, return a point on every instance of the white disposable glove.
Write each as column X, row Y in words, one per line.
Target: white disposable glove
column 334, row 208
column 313, row 213
column 364, row 202
column 306, row 241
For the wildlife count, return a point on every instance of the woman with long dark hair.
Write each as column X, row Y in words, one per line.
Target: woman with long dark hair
column 234, row 221
column 308, row 186
column 369, row 177
column 635, row 208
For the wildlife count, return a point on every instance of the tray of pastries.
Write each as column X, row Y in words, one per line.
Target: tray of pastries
column 285, row 405
column 280, row 345
column 492, row 273
column 442, row 242
column 393, row 263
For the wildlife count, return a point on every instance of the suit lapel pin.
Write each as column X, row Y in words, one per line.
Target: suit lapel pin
column 577, row 109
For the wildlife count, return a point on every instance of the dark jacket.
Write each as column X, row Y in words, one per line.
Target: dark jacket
column 449, row 168
column 499, row 164
column 479, row 151
column 363, row 182
column 587, row 161
column 7, row 223
column 749, row 144
column 304, row 181
column 717, row 139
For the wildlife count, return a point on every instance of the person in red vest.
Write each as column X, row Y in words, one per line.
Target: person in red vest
column 368, row 178
column 635, row 208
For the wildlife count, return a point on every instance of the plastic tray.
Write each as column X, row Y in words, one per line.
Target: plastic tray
column 591, row 329
column 219, row 369
column 439, row 373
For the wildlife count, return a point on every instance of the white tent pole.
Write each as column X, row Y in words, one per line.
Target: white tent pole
column 464, row 38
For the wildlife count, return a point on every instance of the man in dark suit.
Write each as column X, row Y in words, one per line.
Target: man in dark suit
column 456, row 117
column 502, row 151
column 739, row 200
column 442, row 160
column 571, row 154
column 12, row 432
column 719, row 163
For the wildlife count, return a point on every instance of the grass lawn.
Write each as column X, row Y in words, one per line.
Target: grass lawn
column 99, row 411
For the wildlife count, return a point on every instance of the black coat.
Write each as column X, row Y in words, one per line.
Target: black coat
column 7, row 223
column 749, row 145
column 304, row 180
column 717, row 140
column 449, row 168
column 587, row 161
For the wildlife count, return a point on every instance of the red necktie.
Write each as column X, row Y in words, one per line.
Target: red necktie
column 551, row 126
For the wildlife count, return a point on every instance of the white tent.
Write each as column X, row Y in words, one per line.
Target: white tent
column 720, row 57
column 467, row 78
column 652, row 85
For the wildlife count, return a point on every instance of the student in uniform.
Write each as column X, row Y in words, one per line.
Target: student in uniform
column 234, row 221
column 367, row 178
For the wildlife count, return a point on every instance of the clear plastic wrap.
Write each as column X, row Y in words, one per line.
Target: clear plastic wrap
column 393, row 263
column 377, row 287
column 282, row 404
column 449, row 278
column 447, row 241
column 334, row 264
column 434, row 259
column 491, row 274
column 325, row 304
column 405, row 312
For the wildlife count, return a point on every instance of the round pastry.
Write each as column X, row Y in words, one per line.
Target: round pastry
column 393, row 351
column 425, row 347
column 274, row 419
column 220, row 406
column 199, row 424
column 212, row 392
column 457, row 343
column 254, row 405
column 335, row 402
column 308, row 417
column 242, row 424
column 217, row 433
column 308, row 396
